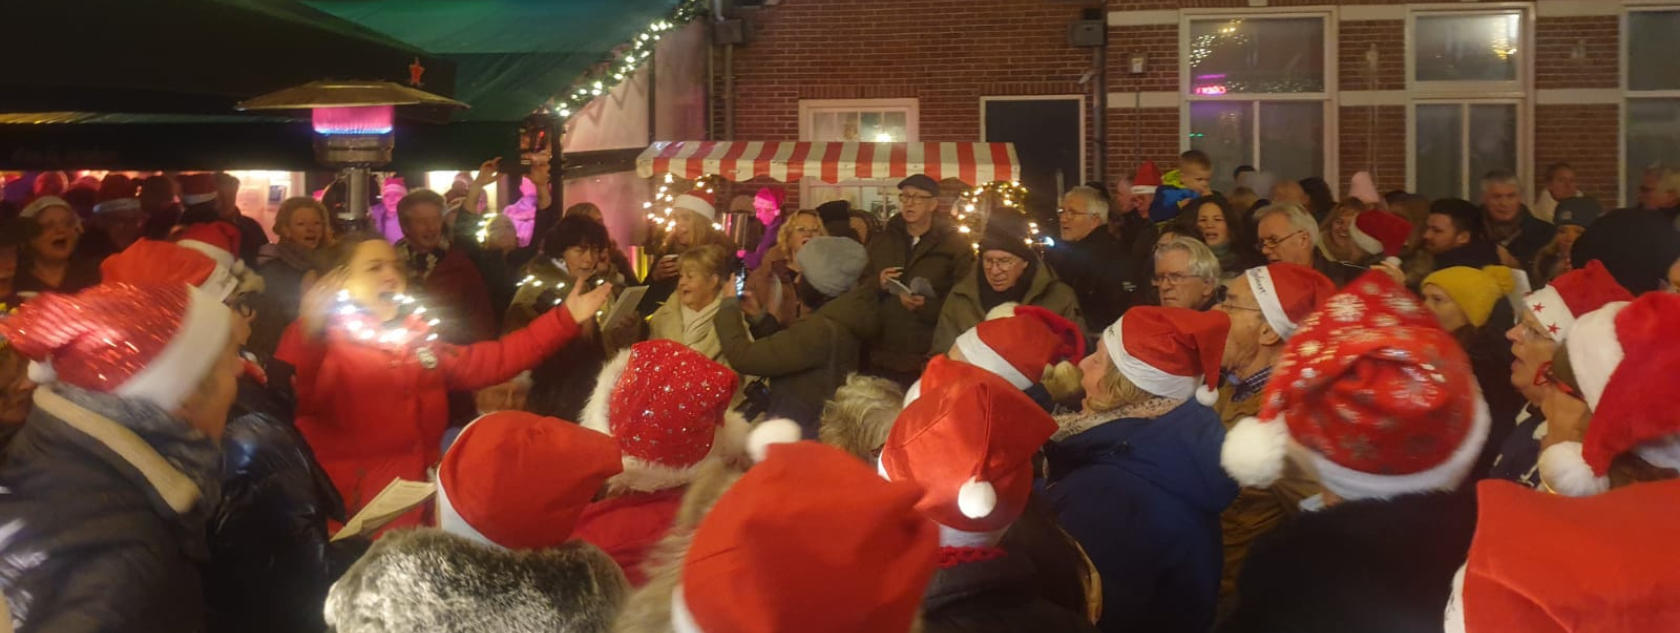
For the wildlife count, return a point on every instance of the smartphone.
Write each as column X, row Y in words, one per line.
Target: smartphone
column 740, row 282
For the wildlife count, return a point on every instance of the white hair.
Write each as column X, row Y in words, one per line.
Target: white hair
column 1500, row 177
column 1203, row 263
column 1298, row 218
column 1095, row 204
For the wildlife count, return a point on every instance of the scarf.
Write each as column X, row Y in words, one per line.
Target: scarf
column 295, row 255
column 698, row 332
column 421, row 264
column 1074, row 424
column 187, row 449
column 1014, row 294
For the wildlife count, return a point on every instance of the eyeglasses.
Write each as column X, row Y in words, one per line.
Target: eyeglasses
column 1173, row 279
column 1547, row 377
column 1001, row 263
column 1272, row 243
column 1222, row 296
column 908, row 198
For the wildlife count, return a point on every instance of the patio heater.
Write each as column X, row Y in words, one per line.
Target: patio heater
column 353, row 123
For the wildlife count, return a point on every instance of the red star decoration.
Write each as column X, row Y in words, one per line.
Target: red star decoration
column 1539, row 307
column 415, row 70
column 1553, row 328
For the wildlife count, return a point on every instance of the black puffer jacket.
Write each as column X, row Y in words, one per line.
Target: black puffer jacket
column 102, row 523
column 271, row 562
column 994, row 595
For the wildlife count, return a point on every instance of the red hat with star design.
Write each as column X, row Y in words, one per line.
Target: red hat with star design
column 1287, row 294
column 520, row 481
column 1170, row 352
column 809, row 540
column 1019, row 342
column 1624, row 357
column 154, row 342
column 969, row 445
column 1572, row 295
column 668, row 408
column 1382, row 400
column 1619, row 572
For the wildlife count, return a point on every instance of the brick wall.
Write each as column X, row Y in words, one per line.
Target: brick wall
column 949, row 53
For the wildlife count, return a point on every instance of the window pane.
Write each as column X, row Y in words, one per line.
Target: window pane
column 1653, row 47
column 1468, row 47
column 1291, row 139
column 1493, row 139
column 1653, row 138
column 825, row 126
column 1282, row 55
column 896, row 127
column 1439, row 152
column 1225, row 130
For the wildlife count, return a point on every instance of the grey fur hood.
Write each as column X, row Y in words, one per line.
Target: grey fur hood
column 432, row 581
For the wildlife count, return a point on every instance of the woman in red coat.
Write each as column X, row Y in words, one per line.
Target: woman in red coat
column 372, row 377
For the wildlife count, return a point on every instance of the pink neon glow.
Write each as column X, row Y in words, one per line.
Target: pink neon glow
column 353, row 120
column 1210, row 91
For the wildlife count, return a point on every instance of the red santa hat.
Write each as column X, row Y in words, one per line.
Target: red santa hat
column 969, row 446
column 1147, row 179
column 1019, row 342
column 809, row 540
column 1545, row 563
column 217, row 240
column 152, row 261
column 1373, row 395
column 1170, row 352
column 519, row 480
column 667, row 406
column 1624, row 357
column 699, row 201
column 1287, row 294
column 197, row 188
column 152, row 342
column 943, row 370
column 1572, row 295
column 1381, row 233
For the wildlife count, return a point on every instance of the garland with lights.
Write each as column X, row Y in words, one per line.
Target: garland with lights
column 662, row 216
column 409, row 329
column 626, row 59
column 977, row 204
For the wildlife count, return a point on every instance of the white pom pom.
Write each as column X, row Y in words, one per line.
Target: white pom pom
column 1392, row 261
column 1207, row 397
column 42, row 373
column 1002, row 311
column 976, row 499
column 778, row 431
column 1565, row 471
column 1254, row 451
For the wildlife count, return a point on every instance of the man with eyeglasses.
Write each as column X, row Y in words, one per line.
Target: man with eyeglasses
column 1266, row 305
column 1186, row 274
column 1289, row 234
column 915, row 261
column 1090, row 259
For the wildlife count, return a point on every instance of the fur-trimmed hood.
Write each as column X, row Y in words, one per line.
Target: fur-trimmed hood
column 429, row 580
column 728, row 444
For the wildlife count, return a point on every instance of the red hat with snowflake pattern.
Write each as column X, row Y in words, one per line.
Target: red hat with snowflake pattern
column 1381, row 398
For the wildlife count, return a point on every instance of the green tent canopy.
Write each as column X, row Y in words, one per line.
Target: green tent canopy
column 510, row 56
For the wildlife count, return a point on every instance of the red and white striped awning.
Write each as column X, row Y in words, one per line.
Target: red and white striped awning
column 790, row 161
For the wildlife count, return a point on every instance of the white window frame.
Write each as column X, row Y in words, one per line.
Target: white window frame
column 1084, row 151
column 1467, row 179
column 1520, row 92
column 1629, row 94
column 1331, row 104
column 808, row 108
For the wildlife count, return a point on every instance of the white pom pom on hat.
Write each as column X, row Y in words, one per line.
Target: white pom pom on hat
column 41, row 373
column 1255, row 450
column 1206, row 396
column 976, row 499
column 768, row 432
column 1564, row 469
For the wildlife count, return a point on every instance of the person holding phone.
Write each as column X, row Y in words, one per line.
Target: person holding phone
column 694, row 218
column 771, row 284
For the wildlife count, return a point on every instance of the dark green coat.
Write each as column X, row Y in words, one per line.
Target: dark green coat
column 942, row 257
column 806, row 361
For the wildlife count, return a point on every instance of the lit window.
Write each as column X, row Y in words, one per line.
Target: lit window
column 1653, row 97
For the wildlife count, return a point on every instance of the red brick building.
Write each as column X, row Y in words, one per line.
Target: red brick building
column 1426, row 96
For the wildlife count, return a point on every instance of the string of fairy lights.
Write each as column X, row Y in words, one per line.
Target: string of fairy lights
column 626, row 59
column 977, row 204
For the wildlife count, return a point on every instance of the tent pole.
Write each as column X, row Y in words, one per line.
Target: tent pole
column 356, row 185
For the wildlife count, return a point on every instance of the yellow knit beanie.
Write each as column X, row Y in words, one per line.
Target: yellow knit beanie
column 1475, row 291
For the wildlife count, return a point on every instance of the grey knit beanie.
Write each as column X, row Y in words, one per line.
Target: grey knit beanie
column 832, row 264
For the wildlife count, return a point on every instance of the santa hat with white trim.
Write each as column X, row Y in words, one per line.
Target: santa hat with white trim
column 154, row 261
column 1624, row 357
column 1572, row 295
column 1372, row 396
column 1379, row 232
column 1618, row 573
column 1170, row 352
column 969, row 445
column 520, row 481
column 699, row 201
column 1287, row 294
column 667, row 406
column 1017, row 342
column 152, row 342
column 197, row 188
column 809, row 540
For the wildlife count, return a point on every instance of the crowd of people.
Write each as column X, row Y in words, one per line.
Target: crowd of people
column 1261, row 410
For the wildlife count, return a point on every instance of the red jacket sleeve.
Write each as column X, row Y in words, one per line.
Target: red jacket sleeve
column 480, row 365
column 305, row 357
